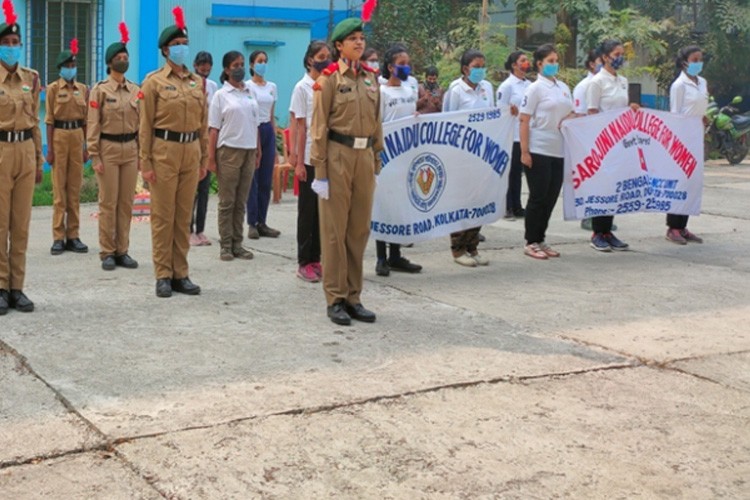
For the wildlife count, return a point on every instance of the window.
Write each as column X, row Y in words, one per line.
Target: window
column 53, row 23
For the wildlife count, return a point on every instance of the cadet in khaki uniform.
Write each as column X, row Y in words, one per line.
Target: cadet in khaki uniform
column 173, row 136
column 112, row 134
column 66, row 136
column 347, row 138
column 20, row 163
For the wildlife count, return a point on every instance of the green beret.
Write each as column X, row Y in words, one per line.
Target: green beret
column 113, row 50
column 10, row 29
column 346, row 28
column 170, row 33
column 65, row 57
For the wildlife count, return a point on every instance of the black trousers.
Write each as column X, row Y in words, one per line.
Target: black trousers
column 380, row 249
column 602, row 224
column 677, row 221
column 515, row 176
column 544, row 178
column 200, row 205
column 308, row 221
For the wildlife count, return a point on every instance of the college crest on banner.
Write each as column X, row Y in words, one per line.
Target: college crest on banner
column 622, row 162
column 442, row 173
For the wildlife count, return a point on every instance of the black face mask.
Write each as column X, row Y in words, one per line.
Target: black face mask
column 120, row 66
column 321, row 65
column 237, row 74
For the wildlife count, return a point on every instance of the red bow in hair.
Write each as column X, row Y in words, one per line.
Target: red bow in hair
column 124, row 35
column 10, row 13
column 367, row 10
column 179, row 17
column 74, row 46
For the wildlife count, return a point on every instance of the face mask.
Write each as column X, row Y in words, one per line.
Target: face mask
column 260, row 68
column 120, row 66
column 617, row 62
column 237, row 74
column 550, row 70
column 321, row 65
column 374, row 64
column 694, row 68
column 598, row 68
column 402, row 72
column 68, row 74
column 525, row 67
column 10, row 55
column 476, row 75
column 179, row 54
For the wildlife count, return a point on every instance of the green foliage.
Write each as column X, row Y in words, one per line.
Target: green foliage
column 630, row 27
column 89, row 188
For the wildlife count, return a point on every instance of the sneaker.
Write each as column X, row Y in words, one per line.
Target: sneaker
column 615, row 242
column 404, row 264
column 226, row 254
column 195, row 240
column 535, row 251
column 600, row 243
column 481, row 260
column 548, row 250
column 205, row 242
column 307, row 273
column 382, row 268
column 243, row 253
column 252, row 233
column 465, row 260
column 318, row 269
column 268, row 232
column 675, row 236
column 692, row 238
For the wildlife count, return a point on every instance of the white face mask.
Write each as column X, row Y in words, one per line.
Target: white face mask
column 373, row 64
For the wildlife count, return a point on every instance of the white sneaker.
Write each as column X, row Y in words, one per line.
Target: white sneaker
column 465, row 260
column 481, row 260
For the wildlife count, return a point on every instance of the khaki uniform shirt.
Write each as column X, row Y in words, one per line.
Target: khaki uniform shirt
column 114, row 110
column 66, row 101
column 19, row 104
column 175, row 103
column 348, row 104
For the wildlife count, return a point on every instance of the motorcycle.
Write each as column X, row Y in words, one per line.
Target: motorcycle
column 728, row 131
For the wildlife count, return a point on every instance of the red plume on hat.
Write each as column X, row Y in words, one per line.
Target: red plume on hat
column 179, row 17
column 74, row 46
column 10, row 13
column 367, row 10
column 124, row 34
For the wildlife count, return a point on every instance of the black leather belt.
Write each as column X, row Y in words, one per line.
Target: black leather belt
column 351, row 141
column 71, row 125
column 16, row 135
column 119, row 137
column 169, row 135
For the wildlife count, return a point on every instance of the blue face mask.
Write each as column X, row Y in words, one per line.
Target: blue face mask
column 179, row 54
column 260, row 68
column 598, row 68
column 550, row 70
column 476, row 75
column 68, row 74
column 694, row 68
column 403, row 72
column 10, row 55
column 618, row 62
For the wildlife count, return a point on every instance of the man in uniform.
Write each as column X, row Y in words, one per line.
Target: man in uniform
column 21, row 162
column 347, row 138
column 66, row 136
column 173, row 136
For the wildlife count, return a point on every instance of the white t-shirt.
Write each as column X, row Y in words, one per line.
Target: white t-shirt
column 302, row 107
column 235, row 113
column 687, row 97
column 607, row 92
column 211, row 88
column 410, row 82
column 461, row 96
column 579, row 94
column 511, row 92
column 397, row 102
column 266, row 95
column 547, row 102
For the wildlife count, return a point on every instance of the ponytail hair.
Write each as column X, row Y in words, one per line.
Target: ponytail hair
column 390, row 56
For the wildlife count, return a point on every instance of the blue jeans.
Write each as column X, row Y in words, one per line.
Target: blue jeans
column 260, row 191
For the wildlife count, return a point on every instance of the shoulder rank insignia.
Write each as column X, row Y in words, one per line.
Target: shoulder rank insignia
column 332, row 68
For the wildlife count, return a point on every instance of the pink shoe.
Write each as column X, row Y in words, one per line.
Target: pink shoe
column 306, row 273
column 195, row 240
column 317, row 269
column 205, row 242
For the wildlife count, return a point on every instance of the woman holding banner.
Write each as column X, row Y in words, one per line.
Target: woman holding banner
column 471, row 91
column 608, row 91
column 546, row 103
column 688, row 95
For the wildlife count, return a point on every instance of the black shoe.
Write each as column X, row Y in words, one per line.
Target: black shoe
column 20, row 301
column 358, row 312
column 481, row 238
column 164, row 287
column 76, row 245
column 338, row 314
column 126, row 261
column 4, row 302
column 519, row 212
column 184, row 285
column 381, row 268
column 267, row 232
column 108, row 263
column 58, row 247
column 402, row 264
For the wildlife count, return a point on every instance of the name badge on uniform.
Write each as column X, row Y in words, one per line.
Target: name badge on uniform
column 170, row 87
column 111, row 99
column 62, row 95
column 345, row 90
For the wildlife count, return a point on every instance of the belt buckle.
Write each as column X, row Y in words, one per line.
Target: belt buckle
column 360, row 143
column 16, row 136
column 183, row 137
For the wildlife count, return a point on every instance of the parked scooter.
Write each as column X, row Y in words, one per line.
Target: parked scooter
column 728, row 131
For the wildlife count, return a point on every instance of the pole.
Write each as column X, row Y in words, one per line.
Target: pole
column 330, row 18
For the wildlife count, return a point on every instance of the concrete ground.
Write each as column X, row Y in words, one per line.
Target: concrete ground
column 590, row 376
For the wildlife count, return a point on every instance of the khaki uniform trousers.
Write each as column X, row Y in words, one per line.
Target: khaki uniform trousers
column 17, row 176
column 176, row 166
column 235, row 169
column 345, row 221
column 116, row 190
column 67, row 176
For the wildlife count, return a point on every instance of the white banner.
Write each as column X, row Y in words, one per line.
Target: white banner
column 442, row 173
column 626, row 161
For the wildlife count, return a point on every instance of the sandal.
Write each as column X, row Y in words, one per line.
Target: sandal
column 535, row 251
